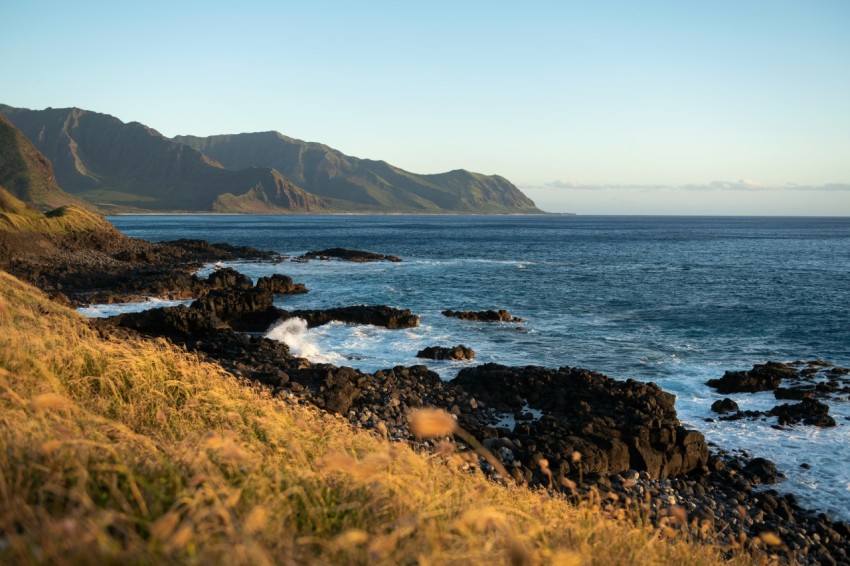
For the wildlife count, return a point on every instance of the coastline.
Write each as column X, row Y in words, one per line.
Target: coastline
column 711, row 482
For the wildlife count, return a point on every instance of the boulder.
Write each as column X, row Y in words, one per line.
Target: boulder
column 725, row 405
column 341, row 388
column 762, row 471
column 459, row 352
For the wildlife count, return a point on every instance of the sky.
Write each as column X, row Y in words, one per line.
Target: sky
column 602, row 107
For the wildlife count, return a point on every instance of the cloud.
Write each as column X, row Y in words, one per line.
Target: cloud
column 569, row 185
column 740, row 185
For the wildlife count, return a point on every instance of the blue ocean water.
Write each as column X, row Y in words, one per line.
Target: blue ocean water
column 674, row 300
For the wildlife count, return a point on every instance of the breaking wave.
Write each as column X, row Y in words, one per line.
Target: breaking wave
column 293, row 333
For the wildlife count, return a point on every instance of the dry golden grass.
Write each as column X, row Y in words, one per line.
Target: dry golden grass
column 136, row 452
column 17, row 217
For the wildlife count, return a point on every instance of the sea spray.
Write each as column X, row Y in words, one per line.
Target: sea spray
column 293, row 333
column 113, row 309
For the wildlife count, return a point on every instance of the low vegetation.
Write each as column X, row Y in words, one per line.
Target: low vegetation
column 17, row 217
column 129, row 450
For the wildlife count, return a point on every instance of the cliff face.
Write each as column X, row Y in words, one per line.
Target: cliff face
column 26, row 174
column 113, row 164
column 361, row 184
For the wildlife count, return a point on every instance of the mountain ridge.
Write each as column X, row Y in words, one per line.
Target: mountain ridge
column 333, row 175
column 132, row 167
column 114, row 164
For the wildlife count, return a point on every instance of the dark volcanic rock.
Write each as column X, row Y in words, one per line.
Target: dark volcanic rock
column 459, row 352
column 249, row 356
column 764, row 377
column 177, row 322
column 280, row 284
column 483, row 316
column 108, row 267
column 244, row 307
column 228, row 278
column 796, row 393
column 381, row 315
column 229, row 304
column 726, row 405
column 342, row 386
column 810, row 411
column 614, row 425
column 762, row 471
column 805, row 382
column 348, row 255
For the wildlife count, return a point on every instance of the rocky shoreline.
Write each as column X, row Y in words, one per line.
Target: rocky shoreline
column 571, row 430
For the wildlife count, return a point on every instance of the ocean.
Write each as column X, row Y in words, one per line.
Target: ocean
column 673, row 300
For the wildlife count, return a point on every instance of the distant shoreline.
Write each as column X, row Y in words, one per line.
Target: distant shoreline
column 213, row 213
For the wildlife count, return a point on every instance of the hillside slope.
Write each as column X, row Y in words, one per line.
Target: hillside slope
column 19, row 219
column 118, row 449
column 112, row 164
column 27, row 174
column 363, row 184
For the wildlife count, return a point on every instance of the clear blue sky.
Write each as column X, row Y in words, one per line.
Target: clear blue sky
column 594, row 107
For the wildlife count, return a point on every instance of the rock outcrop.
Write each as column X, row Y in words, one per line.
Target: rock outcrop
column 459, row 352
column 348, row 255
column 763, row 377
column 613, row 425
column 725, row 405
column 375, row 315
column 803, row 381
column 483, row 316
column 280, row 284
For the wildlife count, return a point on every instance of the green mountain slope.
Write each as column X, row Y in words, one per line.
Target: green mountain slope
column 131, row 166
column 362, row 184
column 26, row 174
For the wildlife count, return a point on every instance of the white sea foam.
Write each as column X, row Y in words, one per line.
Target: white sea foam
column 508, row 420
column 113, row 309
column 293, row 332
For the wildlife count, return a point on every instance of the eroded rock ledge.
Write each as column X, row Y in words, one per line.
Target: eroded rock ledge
column 810, row 383
column 614, row 425
column 348, row 255
column 483, row 316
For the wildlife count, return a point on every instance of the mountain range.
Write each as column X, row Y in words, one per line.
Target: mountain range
column 131, row 167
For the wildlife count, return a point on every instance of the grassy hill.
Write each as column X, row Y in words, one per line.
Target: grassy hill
column 130, row 166
column 26, row 174
column 350, row 183
column 18, row 218
column 118, row 449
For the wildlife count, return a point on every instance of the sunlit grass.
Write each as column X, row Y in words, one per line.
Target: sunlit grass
column 133, row 451
column 16, row 217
